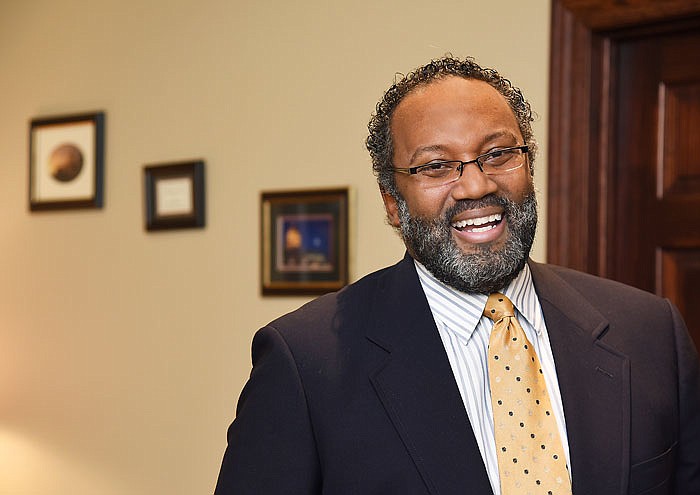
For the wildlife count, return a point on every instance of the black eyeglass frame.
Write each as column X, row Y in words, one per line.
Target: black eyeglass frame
column 414, row 170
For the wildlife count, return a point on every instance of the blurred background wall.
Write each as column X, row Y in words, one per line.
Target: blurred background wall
column 122, row 352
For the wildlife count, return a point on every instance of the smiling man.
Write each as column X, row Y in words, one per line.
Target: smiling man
column 467, row 367
column 488, row 201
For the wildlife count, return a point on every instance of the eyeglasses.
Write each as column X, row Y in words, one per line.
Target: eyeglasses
column 497, row 162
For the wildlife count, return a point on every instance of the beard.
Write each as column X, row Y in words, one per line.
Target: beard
column 487, row 268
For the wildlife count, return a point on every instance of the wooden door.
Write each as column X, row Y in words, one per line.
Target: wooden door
column 654, row 186
column 624, row 182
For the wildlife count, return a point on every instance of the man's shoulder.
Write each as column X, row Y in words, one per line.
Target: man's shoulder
column 587, row 280
column 348, row 306
column 597, row 290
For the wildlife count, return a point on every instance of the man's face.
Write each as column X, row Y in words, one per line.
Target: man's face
column 474, row 234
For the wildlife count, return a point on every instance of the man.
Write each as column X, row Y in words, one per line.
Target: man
column 396, row 384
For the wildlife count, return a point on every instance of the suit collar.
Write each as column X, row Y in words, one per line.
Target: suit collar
column 559, row 294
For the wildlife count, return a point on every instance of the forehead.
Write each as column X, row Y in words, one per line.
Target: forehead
column 452, row 105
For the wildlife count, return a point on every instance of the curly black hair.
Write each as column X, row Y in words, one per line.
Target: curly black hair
column 379, row 143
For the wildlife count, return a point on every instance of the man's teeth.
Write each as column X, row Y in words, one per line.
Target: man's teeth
column 477, row 221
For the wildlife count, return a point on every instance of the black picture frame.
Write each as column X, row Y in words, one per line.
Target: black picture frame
column 66, row 161
column 174, row 195
column 304, row 241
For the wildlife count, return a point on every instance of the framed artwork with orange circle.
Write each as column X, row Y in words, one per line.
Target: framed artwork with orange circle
column 66, row 161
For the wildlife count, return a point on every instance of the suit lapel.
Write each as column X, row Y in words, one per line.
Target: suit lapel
column 417, row 387
column 594, row 383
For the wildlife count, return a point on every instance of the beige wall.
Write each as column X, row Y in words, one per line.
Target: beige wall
column 122, row 353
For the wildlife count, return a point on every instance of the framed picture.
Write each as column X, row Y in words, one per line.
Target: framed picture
column 304, row 241
column 174, row 195
column 66, row 162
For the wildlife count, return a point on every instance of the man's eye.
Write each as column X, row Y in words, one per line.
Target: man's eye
column 436, row 169
column 498, row 157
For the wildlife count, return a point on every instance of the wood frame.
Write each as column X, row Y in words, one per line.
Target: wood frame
column 66, row 161
column 579, row 178
column 174, row 195
column 304, row 241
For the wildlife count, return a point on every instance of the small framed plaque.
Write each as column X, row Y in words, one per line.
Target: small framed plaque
column 174, row 195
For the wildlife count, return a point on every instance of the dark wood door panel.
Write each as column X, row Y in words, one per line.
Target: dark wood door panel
column 656, row 98
column 679, row 157
column 676, row 223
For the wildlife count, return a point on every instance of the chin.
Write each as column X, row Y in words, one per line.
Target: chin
column 469, row 248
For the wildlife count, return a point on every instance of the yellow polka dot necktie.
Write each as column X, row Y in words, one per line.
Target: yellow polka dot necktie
column 530, row 454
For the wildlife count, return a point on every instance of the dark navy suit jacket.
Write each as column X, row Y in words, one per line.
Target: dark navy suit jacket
column 353, row 394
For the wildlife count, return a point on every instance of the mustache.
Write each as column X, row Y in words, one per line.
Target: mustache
column 472, row 204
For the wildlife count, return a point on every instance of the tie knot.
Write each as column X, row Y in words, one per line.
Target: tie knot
column 498, row 306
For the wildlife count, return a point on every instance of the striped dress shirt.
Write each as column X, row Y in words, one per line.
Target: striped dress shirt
column 465, row 334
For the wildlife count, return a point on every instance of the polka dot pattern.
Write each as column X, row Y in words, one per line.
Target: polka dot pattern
column 526, row 432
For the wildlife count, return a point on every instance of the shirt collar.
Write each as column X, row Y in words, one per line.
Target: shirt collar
column 521, row 292
column 461, row 311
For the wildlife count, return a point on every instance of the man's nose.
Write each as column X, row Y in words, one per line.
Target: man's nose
column 473, row 184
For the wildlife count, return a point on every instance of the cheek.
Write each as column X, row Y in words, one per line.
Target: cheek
column 519, row 188
column 424, row 204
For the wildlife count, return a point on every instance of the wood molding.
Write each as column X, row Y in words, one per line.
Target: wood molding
column 571, row 207
column 601, row 15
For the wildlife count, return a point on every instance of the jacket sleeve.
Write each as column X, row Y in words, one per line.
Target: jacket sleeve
column 271, row 448
column 688, row 461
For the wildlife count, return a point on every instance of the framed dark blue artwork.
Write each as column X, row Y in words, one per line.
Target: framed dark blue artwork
column 304, row 237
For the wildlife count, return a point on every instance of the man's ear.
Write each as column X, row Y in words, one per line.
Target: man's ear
column 392, row 209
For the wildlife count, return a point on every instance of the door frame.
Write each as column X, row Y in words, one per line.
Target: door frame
column 580, row 182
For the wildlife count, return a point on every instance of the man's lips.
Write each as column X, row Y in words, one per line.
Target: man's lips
column 478, row 224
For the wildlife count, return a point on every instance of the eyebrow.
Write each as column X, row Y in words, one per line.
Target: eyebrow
column 425, row 149
column 440, row 147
